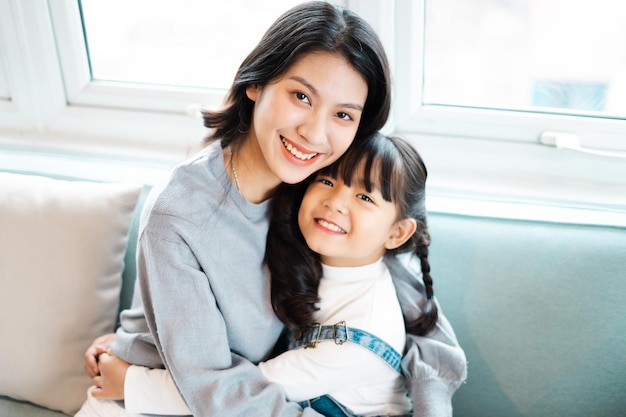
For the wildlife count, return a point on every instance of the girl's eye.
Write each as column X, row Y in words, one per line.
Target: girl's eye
column 326, row 181
column 302, row 97
column 344, row 116
column 365, row 198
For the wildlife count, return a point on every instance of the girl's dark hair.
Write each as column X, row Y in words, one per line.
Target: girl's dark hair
column 389, row 164
column 315, row 26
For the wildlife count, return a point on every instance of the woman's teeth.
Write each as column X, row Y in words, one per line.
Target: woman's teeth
column 298, row 154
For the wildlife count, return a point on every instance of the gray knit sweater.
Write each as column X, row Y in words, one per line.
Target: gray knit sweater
column 202, row 302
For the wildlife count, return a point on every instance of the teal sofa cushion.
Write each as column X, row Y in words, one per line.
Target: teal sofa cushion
column 540, row 309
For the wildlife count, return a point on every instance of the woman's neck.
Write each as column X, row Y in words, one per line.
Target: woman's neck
column 249, row 172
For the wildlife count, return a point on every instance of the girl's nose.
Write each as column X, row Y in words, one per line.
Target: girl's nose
column 313, row 129
column 337, row 201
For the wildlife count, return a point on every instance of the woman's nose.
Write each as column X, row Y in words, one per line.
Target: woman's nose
column 313, row 129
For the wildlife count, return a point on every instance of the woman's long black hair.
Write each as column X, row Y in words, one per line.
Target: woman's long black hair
column 388, row 163
column 315, row 26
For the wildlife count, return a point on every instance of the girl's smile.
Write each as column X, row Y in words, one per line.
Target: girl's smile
column 329, row 226
column 346, row 225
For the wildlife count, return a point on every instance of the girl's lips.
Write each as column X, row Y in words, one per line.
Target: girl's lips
column 298, row 153
column 330, row 226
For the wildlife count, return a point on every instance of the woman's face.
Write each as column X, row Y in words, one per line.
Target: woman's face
column 307, row 118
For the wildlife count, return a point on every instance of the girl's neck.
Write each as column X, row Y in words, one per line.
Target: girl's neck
column 248, row 170
column 351, row 262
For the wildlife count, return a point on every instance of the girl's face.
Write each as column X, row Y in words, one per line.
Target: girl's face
column 306, row 119
column 349, row 226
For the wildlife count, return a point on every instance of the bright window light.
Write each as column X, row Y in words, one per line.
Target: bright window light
column 546, row 56
column 187, row 43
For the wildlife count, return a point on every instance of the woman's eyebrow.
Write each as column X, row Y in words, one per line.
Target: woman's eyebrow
column 305, row 83
column 316, row 93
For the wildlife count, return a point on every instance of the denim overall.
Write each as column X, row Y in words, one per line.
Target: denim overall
column 340, row 333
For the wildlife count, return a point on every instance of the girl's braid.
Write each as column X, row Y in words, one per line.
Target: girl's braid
column 428, row 319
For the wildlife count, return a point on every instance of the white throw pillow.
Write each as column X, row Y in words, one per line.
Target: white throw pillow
column 62, row 246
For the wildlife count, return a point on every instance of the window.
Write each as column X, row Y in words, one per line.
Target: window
column 480, row 67
column 507, row 54
column 477, row 83
column 579, row 97
column 183, row 52
column 186, row 43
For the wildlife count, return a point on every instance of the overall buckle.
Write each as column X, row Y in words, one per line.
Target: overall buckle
column 337, row 327
column 314, row 335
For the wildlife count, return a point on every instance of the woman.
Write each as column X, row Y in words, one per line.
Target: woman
column 317, row 80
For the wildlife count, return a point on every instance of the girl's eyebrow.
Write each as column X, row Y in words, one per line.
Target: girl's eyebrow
column 316, row 93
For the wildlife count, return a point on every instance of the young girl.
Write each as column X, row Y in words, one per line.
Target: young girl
column 331, row 287
column 317, row 80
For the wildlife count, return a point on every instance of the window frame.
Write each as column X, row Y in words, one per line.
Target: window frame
column 485, row 162
column 81, row 90
column 474, row 157
column 31, row 66
column 40, row 114
column 409, row 114
column 507, row 125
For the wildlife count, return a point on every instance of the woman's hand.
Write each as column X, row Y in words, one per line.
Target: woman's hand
column 99, row 346
column 110, row 383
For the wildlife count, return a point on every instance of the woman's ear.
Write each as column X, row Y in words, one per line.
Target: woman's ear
column 401, row 231
column 253, row 91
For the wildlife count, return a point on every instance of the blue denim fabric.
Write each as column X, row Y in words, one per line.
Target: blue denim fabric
column 340, row 333
column 329, row 407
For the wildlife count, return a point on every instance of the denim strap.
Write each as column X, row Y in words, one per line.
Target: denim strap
column 340, row 333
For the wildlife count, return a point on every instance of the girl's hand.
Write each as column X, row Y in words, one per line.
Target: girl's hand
column 110, row 383
column 99, row 346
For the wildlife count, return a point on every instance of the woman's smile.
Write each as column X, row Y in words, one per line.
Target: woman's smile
column 296, row 151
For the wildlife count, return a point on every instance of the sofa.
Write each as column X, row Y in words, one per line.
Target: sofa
column 538, row 306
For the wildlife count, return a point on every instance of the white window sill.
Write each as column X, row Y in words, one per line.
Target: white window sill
column 466, row 176
column 522, row 181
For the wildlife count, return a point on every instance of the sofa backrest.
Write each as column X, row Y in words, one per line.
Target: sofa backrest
column 540, row 310
column 130, row 263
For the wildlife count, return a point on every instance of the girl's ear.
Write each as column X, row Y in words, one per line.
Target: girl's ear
column 401, row 231
column 253, row 91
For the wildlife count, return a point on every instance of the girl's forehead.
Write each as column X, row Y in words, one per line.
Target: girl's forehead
column 358, row 171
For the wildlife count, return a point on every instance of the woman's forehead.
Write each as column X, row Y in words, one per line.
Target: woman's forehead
column 331, row 75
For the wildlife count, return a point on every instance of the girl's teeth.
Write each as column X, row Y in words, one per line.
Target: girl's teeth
column 298, row 154
column 330, row 226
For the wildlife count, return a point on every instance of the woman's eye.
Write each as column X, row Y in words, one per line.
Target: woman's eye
column 302, row 97
column 344, row 116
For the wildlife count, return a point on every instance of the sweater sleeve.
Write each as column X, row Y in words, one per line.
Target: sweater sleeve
column 192, row 338
column 434, row 365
